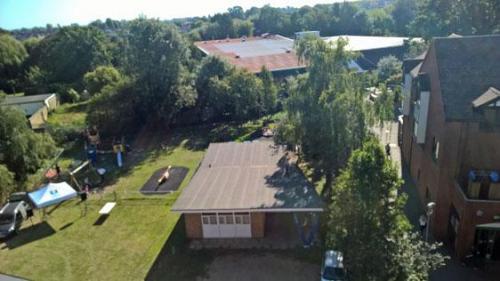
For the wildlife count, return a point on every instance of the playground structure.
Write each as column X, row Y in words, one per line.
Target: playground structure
column 86, row 175
column 94, row 146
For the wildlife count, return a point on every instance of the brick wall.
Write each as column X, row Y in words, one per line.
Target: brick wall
column 193, row 226
column 258, row 224
column 463, row 146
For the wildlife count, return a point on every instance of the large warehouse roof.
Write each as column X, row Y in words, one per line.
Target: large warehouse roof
column 275, row 52
column 363, row 43
column 247, row 176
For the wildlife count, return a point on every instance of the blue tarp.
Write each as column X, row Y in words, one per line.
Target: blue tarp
column 52, row 194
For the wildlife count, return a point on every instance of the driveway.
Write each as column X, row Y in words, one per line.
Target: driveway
column 262, row 267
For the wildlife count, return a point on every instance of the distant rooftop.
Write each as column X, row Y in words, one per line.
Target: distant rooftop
column 275, row 52
column 362, row 43
column 14, row 100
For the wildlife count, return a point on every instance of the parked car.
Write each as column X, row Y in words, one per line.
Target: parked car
column 332, row 268
column 13, row 214
column 22, row 196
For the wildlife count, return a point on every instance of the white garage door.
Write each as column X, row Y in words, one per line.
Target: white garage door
column 226, row 225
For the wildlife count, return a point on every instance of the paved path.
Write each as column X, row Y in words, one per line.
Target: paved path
column 262, row 267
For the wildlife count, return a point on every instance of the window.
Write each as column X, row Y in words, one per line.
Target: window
column 204, row 220
column 213, row 219
column 222, row 220
column 435, row 149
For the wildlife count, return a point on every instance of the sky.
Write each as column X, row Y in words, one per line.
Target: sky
column 29, row 13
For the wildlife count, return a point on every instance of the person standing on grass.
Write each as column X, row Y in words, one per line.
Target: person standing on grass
column 423, row 223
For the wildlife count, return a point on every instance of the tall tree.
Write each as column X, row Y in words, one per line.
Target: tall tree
column 207, row 88
column 7, row 184
column 71, row 52
column 157, row 56
column 100, row 77
column 325, row 113
column 269, row 92
column 442, row 17
column 22, row 151
column 402, row 14
column 366, row 216
column 12, row 56
column 389, row 69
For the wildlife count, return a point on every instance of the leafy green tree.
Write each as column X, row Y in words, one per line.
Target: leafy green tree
column 325, row 111
column 22, row 151
column 272, row 20
column 245, row 89
column 71, row 52
column 12, row 56
column 7, row 183
column 389, row 68
column 403, row 13
column 243, row 27
column 225, row 25
column 236, row 12
column 269, row 92
column 31, row 43
column 157, row 56
column 415, row 48
column 382, row 22
column 208, row 89
column 113, row 109
column 100, row 77
column 35, row 81
column 443, row 17
column 366, row 216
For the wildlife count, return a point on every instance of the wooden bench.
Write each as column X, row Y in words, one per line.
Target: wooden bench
column 106, row 209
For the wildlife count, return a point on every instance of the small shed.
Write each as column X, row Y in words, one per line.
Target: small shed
column 36, row 108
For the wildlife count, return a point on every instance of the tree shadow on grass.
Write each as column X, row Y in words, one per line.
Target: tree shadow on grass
column 30, row 234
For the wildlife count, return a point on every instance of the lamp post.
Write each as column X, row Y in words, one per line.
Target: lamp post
column 430, row 210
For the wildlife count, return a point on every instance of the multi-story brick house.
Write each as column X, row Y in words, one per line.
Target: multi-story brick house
column 451, row 139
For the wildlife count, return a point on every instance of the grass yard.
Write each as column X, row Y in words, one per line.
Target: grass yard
column 71, row 247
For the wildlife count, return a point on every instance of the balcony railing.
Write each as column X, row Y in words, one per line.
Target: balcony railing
column 481, row 185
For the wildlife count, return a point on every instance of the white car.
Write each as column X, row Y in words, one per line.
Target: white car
column 332, row 268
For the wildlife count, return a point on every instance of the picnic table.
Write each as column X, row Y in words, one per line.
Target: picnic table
column 106, row 209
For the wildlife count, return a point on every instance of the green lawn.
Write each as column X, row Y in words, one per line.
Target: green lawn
column 69, row 115
column 71, row 247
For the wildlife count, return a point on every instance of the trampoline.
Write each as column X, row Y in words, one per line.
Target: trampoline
column 177, row 175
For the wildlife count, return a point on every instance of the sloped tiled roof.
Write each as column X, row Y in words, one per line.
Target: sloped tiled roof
column 468, row 66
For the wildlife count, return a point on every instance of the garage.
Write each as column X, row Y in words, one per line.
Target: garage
column 236, row 187
column 226, row 225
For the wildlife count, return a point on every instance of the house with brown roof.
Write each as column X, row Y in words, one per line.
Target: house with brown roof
column 239, row 186
column 451, row 137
